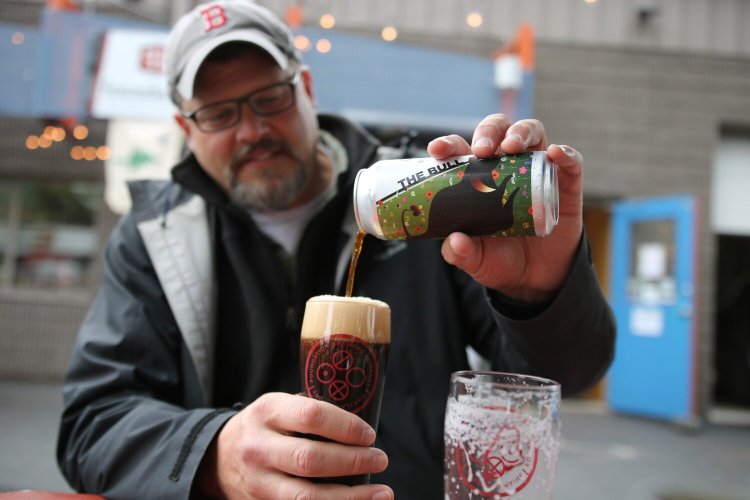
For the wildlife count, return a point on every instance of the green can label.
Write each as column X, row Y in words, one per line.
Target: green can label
column 490, row 196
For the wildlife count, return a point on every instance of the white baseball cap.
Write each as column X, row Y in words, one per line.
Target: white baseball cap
column 212, row 24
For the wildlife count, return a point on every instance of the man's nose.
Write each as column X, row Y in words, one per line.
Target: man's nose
column 251, row 127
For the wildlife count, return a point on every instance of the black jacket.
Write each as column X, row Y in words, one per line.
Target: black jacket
column 196, row 314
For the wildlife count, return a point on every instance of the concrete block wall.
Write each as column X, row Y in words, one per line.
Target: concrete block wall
column 38, row 331
column 648, row 125
column 38, row 327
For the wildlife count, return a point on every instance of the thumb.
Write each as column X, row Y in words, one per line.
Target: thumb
column 463, row 252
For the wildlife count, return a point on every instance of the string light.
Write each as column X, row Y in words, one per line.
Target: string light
column 327, row 21
column 17, row 38
column 474, row 19
column 58, row 134
column 52, row 134
column 45, row 141
column 103, row 153
column 89, row 153
column 80, row 132
column 323, row 46
column 389, row 33
column 302, row 43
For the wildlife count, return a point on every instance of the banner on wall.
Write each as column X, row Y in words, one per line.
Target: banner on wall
column 130, row 83
column 139, row 150
column 65, row 49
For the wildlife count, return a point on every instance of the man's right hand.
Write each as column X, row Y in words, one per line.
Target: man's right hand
column 259, row 452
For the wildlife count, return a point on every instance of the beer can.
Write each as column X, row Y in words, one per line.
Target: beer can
column 416, row 198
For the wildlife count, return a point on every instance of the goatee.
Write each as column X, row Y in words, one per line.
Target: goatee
column 270, row 190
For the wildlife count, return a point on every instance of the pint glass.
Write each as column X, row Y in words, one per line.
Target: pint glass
column 502, row 436
column 343, row 354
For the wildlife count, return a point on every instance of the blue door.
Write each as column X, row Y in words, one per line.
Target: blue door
column 652, row 294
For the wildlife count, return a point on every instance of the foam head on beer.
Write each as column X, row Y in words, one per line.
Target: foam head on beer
column 362, row 317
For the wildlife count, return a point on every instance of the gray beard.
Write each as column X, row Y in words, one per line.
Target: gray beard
column 268, row 194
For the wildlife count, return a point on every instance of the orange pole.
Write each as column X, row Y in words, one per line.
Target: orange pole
column 526, row 50
column 62, row 5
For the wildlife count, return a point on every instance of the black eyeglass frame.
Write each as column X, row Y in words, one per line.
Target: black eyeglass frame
column 248, row 99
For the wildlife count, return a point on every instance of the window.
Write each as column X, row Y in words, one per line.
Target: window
column 652, row 261
column 47, row 233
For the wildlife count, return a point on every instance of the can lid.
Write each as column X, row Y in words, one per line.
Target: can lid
column 365, row 208
column 554, row 195
column 545, row 198
column 355, row 199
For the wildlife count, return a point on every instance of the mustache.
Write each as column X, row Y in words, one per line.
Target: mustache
column 249, row 149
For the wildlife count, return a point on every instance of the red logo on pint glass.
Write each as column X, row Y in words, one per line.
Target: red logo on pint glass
column 213, row 17
column 505, row 468
column 343, row 370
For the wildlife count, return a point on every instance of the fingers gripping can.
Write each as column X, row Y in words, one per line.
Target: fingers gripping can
column 416, row 198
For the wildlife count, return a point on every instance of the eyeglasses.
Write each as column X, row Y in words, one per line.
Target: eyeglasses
column 265, row 101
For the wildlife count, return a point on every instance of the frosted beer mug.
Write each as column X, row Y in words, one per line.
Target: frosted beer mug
column 506, row 195
column 344, row 350
column 502, row 436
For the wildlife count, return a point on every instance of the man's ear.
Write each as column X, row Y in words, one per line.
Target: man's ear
column 307, row 82
column 182, row 123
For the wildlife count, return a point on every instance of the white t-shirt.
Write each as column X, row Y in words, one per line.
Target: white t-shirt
column 285, row 227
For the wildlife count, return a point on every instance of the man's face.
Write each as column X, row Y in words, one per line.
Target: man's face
column 262, row 162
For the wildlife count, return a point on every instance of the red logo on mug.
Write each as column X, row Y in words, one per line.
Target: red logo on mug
column 505, row 468
column 343, row 370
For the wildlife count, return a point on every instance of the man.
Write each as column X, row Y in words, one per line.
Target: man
column 185, row 373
